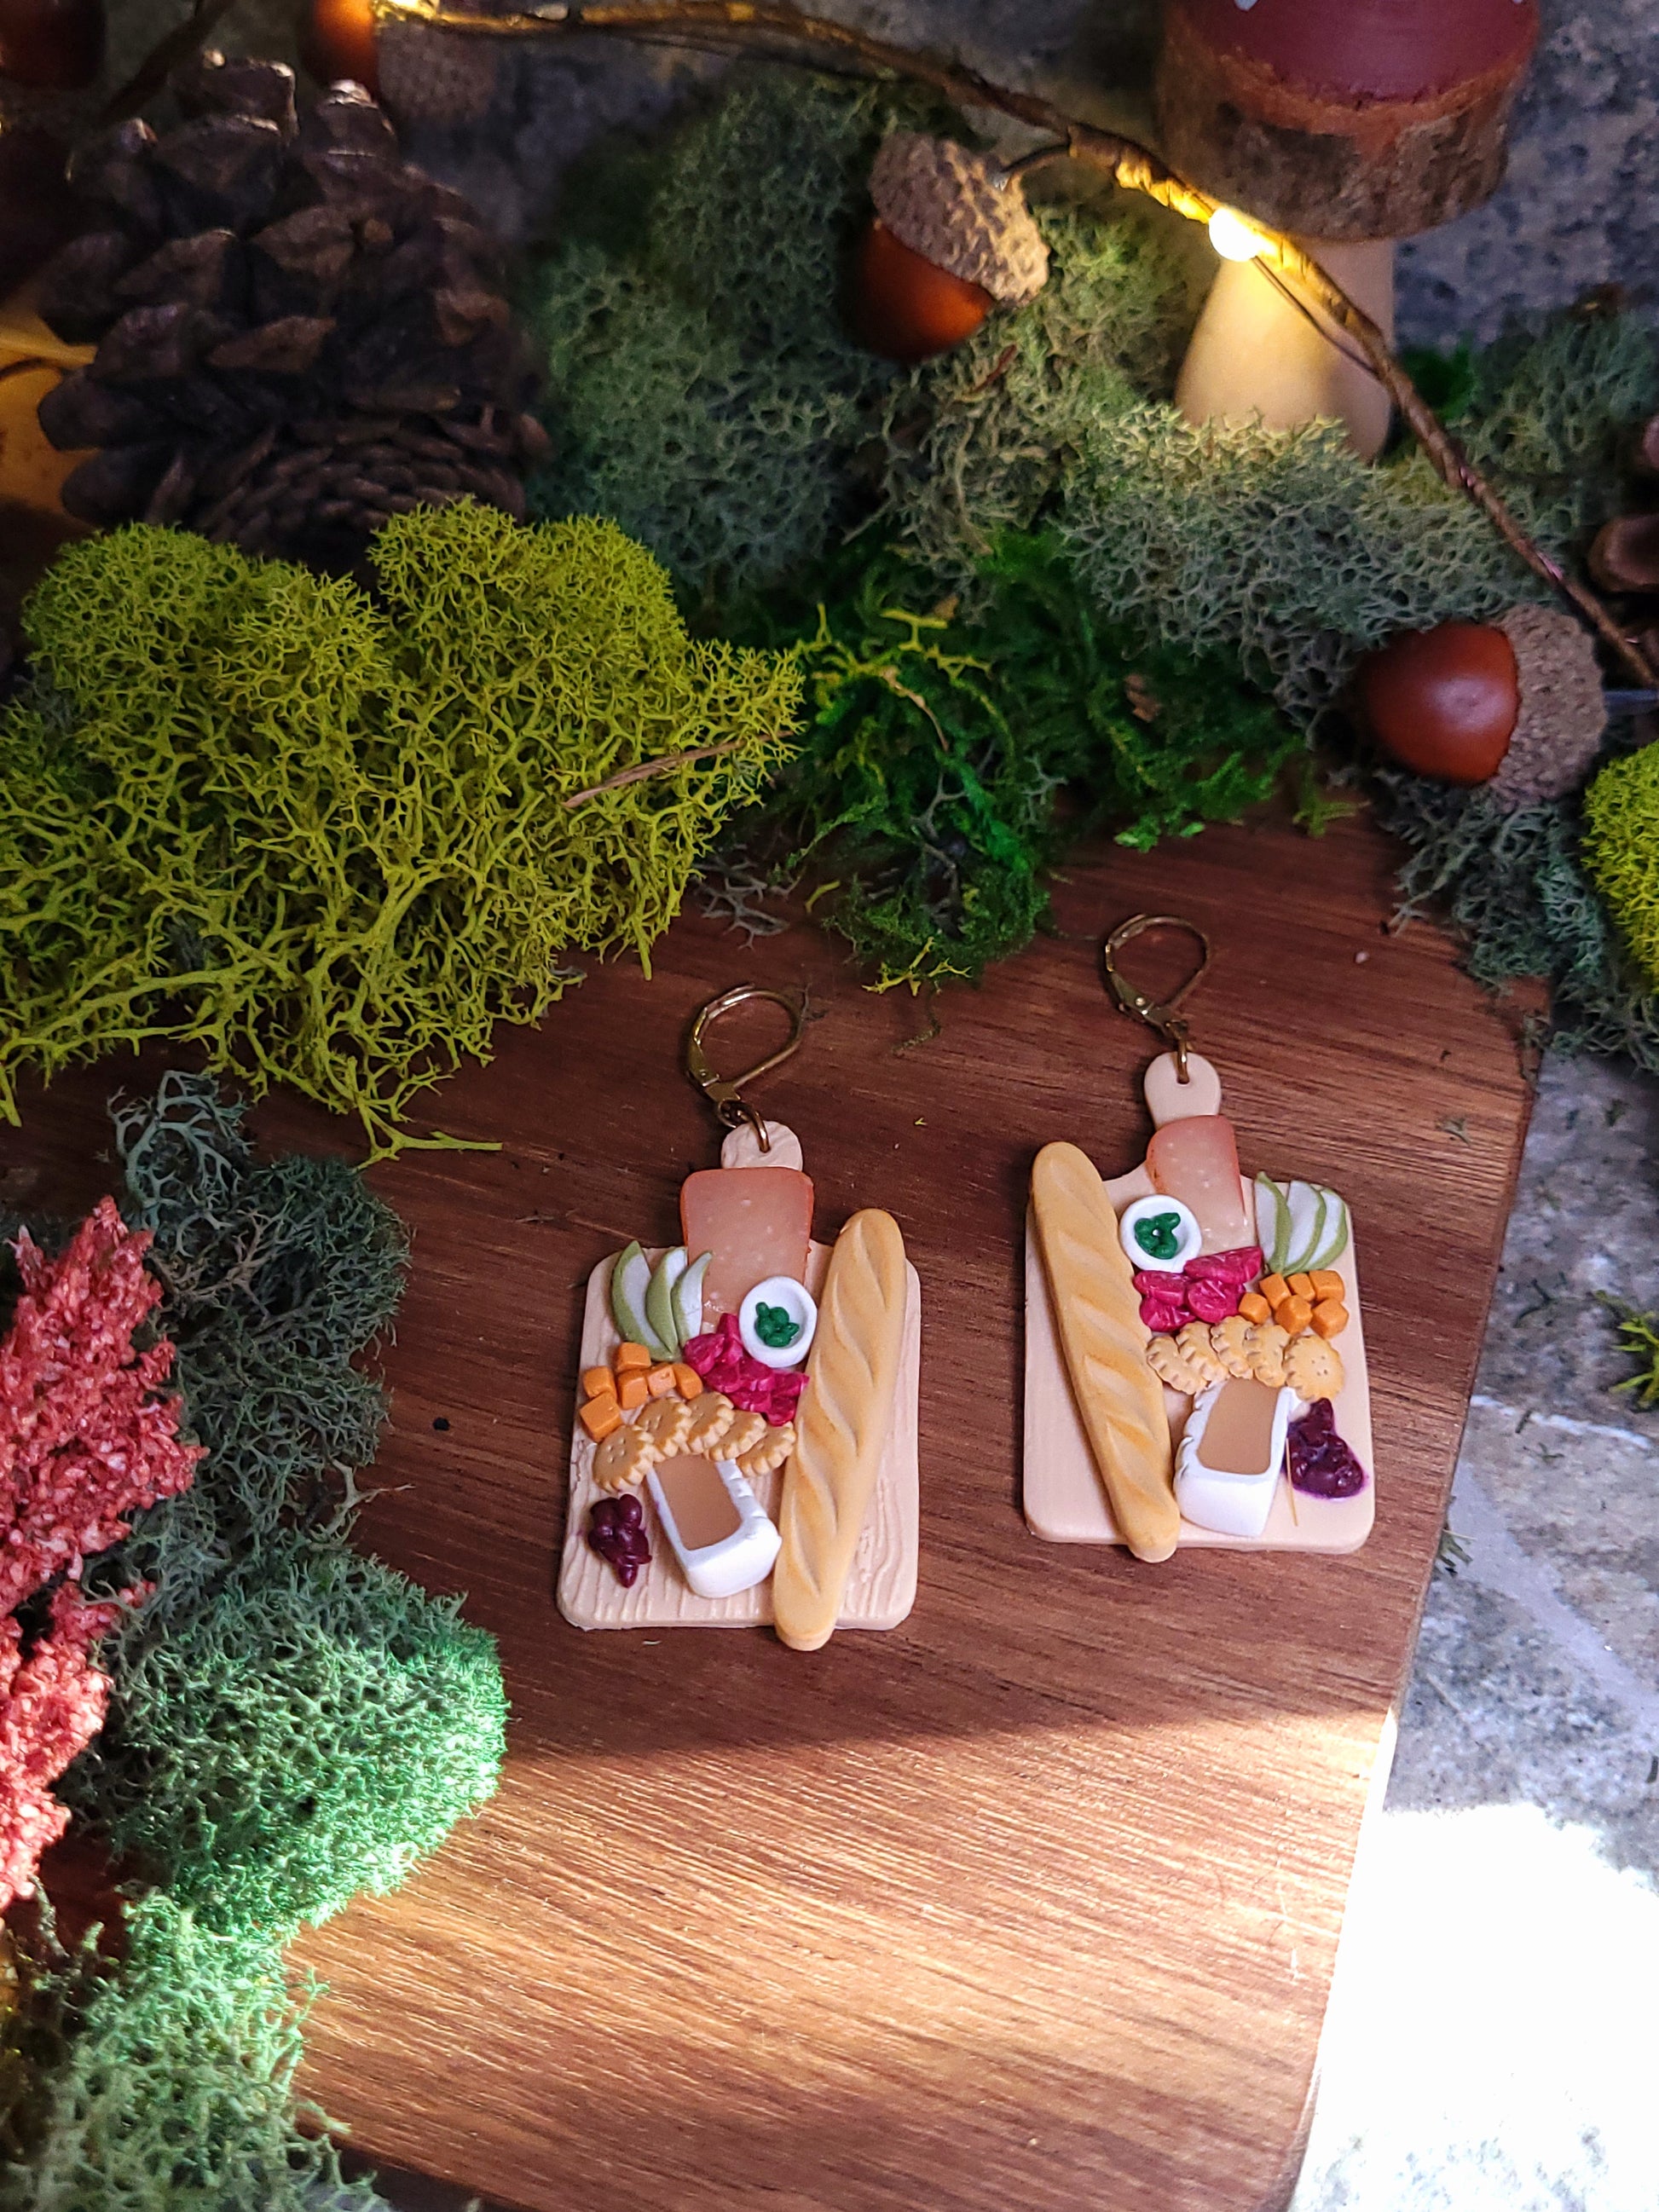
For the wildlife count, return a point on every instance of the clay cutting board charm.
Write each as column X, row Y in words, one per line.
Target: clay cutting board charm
column 745, row 1447
column 1194, row 1354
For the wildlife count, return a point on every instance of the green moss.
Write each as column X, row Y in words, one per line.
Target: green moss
column 317, row 1728
column 948, row 761
column 1621, row 850
column 174, row 2086
column 702, row 389
column 1515, row 888
column 326, row 837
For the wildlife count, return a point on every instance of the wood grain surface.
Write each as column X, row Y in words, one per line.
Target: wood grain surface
column 1031, row 1905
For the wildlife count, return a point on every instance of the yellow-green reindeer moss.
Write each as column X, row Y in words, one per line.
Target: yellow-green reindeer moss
column 326, row 834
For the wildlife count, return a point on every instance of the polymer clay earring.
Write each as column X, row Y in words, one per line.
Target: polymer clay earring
column 1194, row 1358
column 745, row 1450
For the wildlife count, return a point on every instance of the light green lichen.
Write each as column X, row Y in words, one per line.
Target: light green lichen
column 333, row 838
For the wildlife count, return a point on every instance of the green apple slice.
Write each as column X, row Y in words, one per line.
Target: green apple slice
column 660, row 1299
column 1334, row 1241
column 1307, row 1212
column 1272, row 1223
column 630, row 1286
column 687, row 1299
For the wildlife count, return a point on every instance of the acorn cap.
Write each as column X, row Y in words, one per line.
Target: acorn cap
column 958, row 210
column 1557, row 732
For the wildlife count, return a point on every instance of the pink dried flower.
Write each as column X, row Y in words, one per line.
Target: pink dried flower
column 84, row 1441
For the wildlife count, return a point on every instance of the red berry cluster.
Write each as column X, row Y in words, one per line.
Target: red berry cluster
column 1321, row 1463
column 615, row 1530
column 1207, row 1289
column 752, row 1387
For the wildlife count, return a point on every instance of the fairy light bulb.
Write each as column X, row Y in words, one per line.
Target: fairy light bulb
column 1233, row 238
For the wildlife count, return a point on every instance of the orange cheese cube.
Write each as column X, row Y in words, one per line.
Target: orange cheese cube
column 599, row 1382
column 687, row 1382
column 1255, row 1307
column 1294, row 1314
column 600, row 1415
column 1327, row 1283
column 631, row 1355
column 1302, row 1287
column 660, row 1381
column 1330, row 1317
column 632, row 1389
column 1274, row 1289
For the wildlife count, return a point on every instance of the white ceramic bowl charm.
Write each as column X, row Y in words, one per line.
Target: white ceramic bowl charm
column 776, row 1321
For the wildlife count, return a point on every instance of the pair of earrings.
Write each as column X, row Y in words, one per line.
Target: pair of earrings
column 746, row 1450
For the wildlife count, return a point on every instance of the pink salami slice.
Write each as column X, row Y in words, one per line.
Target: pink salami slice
column 1196, row 1160
column 757, row 1222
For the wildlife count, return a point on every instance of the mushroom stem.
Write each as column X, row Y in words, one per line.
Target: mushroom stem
column 1625, row 556
column 1258, row 351
column 812, row 40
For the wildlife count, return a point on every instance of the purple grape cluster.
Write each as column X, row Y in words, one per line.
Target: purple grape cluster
column 615, row 1530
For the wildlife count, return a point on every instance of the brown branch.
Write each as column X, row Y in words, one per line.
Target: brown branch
column 660, row 766
column 151, row 74
column 750, row 23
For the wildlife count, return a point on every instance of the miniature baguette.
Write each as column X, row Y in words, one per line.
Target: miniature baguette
column 841, row 1428
column 1097, row 1315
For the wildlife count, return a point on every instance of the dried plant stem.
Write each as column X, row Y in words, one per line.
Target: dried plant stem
column 660, row 766
column 151, row 74
column 788, row 35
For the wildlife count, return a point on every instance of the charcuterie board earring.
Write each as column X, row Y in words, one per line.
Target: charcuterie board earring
column 745, row 1450
column 1194, row 1358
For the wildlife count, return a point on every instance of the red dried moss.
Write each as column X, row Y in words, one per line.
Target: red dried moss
column 84, row 1443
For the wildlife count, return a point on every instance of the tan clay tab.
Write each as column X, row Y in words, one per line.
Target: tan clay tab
column 1097, row 1315
column 841, row 1428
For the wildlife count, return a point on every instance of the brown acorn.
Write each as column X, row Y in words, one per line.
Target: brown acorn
column 1514, row 705
column 951, row 238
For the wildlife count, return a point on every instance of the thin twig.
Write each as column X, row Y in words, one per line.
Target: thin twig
column 164, row 57
column 755, row 23
column 660, row 766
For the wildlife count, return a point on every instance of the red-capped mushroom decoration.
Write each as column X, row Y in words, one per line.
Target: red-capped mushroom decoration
column 951, row 238
column 1349, row 127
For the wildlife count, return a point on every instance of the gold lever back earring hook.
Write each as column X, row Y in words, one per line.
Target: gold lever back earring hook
column 725, row 1093
column 1165, row 1019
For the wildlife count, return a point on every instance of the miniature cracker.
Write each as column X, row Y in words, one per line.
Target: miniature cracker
column 623, row 1459
column 1229, row 1340
column 1313, row 1367
column 774, row 1448
column 843, row 1425
column 664, row 1423
column 712, row 1415
column 1265, row 1348
column 1170, row 1363
column 744, row 1435
column 1097, row 1315
column 1193, row 1339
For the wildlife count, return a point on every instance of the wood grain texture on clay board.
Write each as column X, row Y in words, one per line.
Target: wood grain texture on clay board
column 882, row 1587
column 1065, row 1499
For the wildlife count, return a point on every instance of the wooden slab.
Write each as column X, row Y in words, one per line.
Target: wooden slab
column 882, row 1587
column 1033, row 1903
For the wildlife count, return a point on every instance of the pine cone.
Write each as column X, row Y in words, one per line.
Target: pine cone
column 297, row 332
column 1557, row 732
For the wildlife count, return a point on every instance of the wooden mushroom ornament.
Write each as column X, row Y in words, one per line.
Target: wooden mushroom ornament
column 1349, row 128
column 1514, row 705
column 951, row 237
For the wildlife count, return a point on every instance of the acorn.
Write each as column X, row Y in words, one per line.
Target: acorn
column 338, row 42
column 1514, row 705
column 951, row 238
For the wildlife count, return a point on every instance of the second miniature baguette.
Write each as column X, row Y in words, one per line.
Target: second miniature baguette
column 841, row 1428
column 1097, row 1315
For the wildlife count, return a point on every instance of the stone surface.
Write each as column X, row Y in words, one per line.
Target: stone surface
column 1505, row 1919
